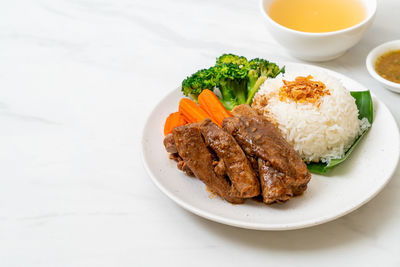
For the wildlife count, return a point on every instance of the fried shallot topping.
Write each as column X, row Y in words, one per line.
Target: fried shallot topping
column 302, row 90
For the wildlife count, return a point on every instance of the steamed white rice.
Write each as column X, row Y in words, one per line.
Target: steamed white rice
column 316, row 133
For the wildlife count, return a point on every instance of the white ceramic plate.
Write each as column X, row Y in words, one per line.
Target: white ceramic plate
column 346, row 188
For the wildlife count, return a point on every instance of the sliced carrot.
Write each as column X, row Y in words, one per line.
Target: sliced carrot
column 174, row 120
column 192, row 112
column 211, row 104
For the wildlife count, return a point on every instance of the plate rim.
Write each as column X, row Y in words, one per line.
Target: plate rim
column 262, row 226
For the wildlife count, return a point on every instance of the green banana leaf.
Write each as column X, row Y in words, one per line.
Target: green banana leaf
column 365, row 108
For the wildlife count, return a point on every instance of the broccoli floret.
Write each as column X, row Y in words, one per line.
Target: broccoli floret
column 203, row 79
column 259, row 71
column 232, row 83
column 242, row 62
column 265, row 68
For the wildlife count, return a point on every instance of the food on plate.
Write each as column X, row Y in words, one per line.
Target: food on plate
column 388, row 66
column 247, row 153
column 243, row 110
column 234, row 79
column 303, row 90
column 169, row 144
column 282, row 172
column 191, row 111
column 200, row 160
column 315, row 114
column 298, row 122
column 317, row 15
column 174, row 119
column 211, row 104
column 237, row 166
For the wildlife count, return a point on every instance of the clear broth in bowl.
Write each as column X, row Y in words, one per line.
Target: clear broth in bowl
column 317, row 15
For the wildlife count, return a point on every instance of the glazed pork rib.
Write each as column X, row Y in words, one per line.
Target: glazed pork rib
column 169, row 144
column 273, row 184
column 282, row 172
column 192, row 149
column 237, row 167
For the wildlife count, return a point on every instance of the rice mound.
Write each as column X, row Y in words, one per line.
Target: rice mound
column 316, row 133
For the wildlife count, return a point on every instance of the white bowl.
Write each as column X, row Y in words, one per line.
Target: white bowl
column 318, row 46
column 373, row 56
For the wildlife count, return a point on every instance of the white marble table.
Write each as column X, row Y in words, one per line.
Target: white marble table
column 77, row 80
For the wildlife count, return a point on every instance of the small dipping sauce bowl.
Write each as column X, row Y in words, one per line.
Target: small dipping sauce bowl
column 373, row 57
column 321, row 46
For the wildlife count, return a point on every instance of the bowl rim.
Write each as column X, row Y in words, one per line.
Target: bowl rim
column 374, row 54
column 318, row 34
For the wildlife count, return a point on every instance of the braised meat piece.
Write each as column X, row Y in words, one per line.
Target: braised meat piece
column 238, row 111
column 181, row 164
column 243, row 110
column 219, row 167
column 192, row 149
column 272, row 184
column 253, row 162
column 246, row 110
column 169, row 144
column 260, row 138
column 237, row 167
